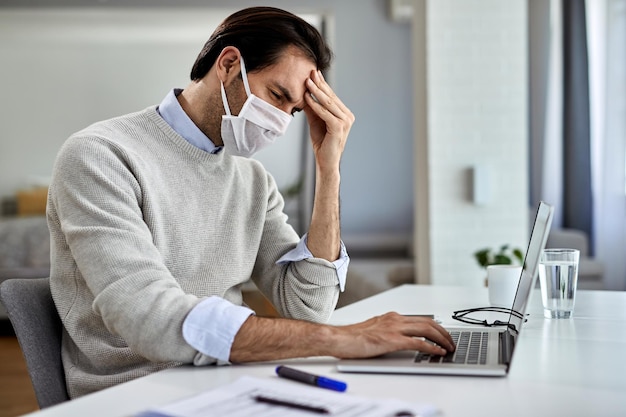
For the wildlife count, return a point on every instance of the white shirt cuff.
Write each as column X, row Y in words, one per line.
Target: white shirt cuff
column 301, row 252
column 211, row 326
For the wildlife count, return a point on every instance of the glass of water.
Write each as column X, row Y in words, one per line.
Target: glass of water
column 558, row 276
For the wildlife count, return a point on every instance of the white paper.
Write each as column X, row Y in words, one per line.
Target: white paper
column 237, row 400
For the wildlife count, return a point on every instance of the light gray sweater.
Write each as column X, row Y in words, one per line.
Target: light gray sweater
column 143, row 227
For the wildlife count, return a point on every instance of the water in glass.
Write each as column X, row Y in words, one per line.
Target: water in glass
column 558, row 287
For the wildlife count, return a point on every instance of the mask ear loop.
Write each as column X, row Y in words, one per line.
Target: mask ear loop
column 244, row 76
column 224, row 99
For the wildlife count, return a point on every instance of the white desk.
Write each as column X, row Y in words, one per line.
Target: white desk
column 560, row 367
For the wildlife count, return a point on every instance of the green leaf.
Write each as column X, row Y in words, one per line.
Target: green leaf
column 505, row 256
column 502, row 260
column 482, row 257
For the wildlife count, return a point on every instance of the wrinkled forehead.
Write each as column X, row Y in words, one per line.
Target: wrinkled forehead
column 289, row 73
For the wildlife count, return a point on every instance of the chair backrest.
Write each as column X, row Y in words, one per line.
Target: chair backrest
column 38, row 328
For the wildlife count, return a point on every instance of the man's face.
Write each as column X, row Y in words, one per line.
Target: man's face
column 281, row 84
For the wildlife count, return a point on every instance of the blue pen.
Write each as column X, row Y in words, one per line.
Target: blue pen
column 318, row 381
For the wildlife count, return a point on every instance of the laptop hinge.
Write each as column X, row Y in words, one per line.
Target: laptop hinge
column 507, row 342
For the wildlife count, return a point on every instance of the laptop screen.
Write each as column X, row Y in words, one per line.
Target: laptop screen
column 538, row 238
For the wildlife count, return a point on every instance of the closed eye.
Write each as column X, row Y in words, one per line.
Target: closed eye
column 276, row 95
column 282, row 96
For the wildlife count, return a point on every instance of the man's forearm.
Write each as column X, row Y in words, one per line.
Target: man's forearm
column 324, row 232
column 262, row 339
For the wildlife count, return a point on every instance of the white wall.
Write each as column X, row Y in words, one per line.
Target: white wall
column 471, row 101
column 65, row 69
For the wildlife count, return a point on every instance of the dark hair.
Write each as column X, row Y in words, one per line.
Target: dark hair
column 261, row 34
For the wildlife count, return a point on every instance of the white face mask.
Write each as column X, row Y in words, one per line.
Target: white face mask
column 258, row 124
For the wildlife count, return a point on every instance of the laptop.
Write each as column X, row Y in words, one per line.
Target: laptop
column 485, row 351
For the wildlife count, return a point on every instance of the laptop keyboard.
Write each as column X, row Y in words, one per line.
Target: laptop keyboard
column 471, row 349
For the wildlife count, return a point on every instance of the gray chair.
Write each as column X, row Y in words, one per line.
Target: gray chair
column 38, row 329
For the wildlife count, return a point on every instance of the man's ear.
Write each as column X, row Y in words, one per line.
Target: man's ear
column 228, row 64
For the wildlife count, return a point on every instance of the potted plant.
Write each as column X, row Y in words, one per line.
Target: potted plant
column 505, row 256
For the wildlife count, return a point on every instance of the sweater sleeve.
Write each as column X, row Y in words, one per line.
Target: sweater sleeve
column 97, row 195
column 305, row 289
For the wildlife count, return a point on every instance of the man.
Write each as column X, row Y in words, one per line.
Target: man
column 158, row 217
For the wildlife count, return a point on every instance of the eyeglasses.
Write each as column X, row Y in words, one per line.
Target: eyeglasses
column 461, row 315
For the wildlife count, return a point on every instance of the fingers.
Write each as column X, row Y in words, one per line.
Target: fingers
column 439, row 335
column 325, row 95
column 427, row 347
column 420, row 327
column 329, row 122
column 325, row 103
column 392, row 332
